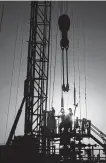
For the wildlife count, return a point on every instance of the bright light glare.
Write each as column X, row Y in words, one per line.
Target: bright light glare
column 68, row 103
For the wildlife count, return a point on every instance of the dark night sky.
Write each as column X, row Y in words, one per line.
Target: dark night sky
column 89, row 24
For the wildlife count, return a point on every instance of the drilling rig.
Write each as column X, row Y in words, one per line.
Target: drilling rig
column 49, row 137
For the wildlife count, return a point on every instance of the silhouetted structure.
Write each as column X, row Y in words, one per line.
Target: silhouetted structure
column 48, row 137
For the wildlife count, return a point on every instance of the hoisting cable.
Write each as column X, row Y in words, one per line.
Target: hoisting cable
column 20, row 64
column 50, row 68
column 74, row 99
column 79, row 103
column 67, row 86
column 85, row 70
column 62, row 98
column 85, row 97
column 73, row 48
column 62, row 103
column 66, row 7
column 2, row 14
column 66, row 11
column 13, row 65
column 63, row 85
column 61, row 7
column 79, row 80
column 54, row 67
column 75, row 104
column 74, row 69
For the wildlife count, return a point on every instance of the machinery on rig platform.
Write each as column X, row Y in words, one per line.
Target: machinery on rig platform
column 49, row 137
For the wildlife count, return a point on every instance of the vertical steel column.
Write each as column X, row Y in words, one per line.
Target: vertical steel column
column 36, row 84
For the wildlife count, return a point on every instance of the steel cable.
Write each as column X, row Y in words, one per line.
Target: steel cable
column 63, row 64
column 13, row 65
column 79, row 70
column 79, row 81
column 2, row 14
column 67, row 65
column 20, row 64
column 54, row 66
column 50, row 68
column 84, row 40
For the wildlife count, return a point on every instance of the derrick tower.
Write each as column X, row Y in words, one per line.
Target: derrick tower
column 36, row 83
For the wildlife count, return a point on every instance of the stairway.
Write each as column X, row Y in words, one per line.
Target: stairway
column 95, row 132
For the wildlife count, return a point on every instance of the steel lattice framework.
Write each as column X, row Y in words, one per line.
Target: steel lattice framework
column 36, row 83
